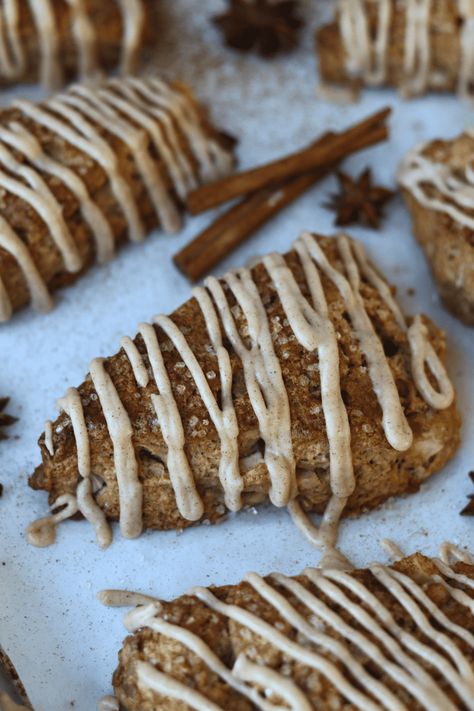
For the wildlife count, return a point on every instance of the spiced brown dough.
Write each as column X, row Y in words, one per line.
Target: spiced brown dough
column 445, row 26
column 230, row 640
column 23, row 216
column 380, row 470
column 448, row 242
column 107, row 21
column 7, row 665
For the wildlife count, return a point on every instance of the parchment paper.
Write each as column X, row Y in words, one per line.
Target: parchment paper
column 63, row 643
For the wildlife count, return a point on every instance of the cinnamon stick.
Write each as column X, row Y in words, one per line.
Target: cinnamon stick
column 237, row 224
column 327, row 149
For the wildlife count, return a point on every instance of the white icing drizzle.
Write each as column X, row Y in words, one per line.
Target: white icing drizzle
column 454, row 191
column 11, row 65
column 79, row 117
column 263, row 379
column 246, row 326
column 42, row 533
column 126, row 467
column 133, row 15
column 87, row 40
column 466, row 72
column 48, row 437
column 367, row 56
column 369, row 630
column 108, row 703
column 124, row 598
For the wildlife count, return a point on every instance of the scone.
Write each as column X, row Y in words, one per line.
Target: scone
column 437, row 181
column 53, row 41
column 6, row 704
column 415, row 45
column 397, row 637
column 85, row 170
column 297, row 381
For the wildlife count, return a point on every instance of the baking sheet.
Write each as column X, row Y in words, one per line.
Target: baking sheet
column 63, row 643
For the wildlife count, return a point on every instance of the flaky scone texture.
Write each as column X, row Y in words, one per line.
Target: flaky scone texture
column 444, row 47
column 107, row 20
column 380, row 470
column 24, row 218
column 228, row 639
column 448, row 244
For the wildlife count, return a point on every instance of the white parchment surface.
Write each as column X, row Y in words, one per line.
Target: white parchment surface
column 63, row 643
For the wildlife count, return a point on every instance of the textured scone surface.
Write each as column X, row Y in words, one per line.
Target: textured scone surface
column 447, row 243
column 108, row 45
column 444, row 46
column 228, row 639
column 33, row 229
column 380, row 471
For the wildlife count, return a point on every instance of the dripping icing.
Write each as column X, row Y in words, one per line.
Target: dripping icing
column 372, row 631
column 81, row 117
column 367, row 56
column 313, row 329
column 13, row 50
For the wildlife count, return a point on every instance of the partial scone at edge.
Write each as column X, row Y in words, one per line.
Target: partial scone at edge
column 443, row 219
column 380, row 470
column 247, row 652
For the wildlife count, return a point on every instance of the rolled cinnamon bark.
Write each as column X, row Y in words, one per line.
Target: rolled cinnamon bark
column 85, row 170
column 56, row 40
column 416, row 45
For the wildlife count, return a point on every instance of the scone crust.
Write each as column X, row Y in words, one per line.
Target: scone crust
column 380, row 471
column 445, row 48
column 228, row 639
column 447, row 244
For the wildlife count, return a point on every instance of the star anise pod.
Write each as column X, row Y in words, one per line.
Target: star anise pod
column 469, row 509
column 359, row 200
column 264, row 26
column 5, row 420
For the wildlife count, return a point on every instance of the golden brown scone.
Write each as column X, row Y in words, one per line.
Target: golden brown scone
column 415, row 46
column 166, row 482
column 84, row 171
column 376, row 638
column 437, row 184
column 7, row 666
column 54, row 41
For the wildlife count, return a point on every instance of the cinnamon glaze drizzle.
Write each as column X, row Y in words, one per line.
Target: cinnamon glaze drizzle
column 419, row 174
column 371, row 631
column 12, row 49
column 311, row 325
column 367, row 55
column 143, row 114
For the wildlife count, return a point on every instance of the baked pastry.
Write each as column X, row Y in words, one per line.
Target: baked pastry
column 415, row 45
column 6, row 703
column 57, row 40
column 384, row 637
column 297, row 380
column 85, row 170
column 437, row 182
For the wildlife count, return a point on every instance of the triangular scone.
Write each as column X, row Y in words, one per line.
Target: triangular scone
column 415, row 45
column 53, row 41
column 437, row 181
column 85, row 170
column 397, row 637
column 273, row 382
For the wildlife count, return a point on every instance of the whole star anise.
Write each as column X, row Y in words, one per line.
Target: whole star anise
column 358, row 200
column 469, row 509
column 265, row 26
column 5, row 420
